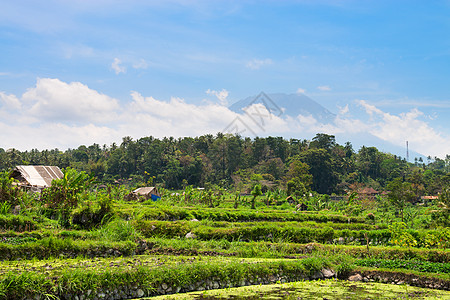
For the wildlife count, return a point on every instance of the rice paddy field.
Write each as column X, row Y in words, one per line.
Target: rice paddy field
column 177, row 249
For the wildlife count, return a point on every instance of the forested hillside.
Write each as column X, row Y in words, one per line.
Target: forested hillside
column 225, row 160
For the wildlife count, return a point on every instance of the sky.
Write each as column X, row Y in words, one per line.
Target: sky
column 82, row 72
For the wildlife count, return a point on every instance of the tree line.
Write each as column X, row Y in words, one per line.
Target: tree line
column 321, row 164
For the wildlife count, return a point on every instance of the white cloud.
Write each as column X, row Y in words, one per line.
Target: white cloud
column 149, row 116
column 324, row 88
column 9, row 101
column 344, row 110
column 345, row 125
column 141, row 64
column 53, row 135
column 221, row 95
column 301, row 91
column 370, row 109
column 406, row 126
column 117, row 67
column 256, row 64
column 58, row 114
column 307, row 121
column 415, row 103
column 63, row 115
column 54, row 100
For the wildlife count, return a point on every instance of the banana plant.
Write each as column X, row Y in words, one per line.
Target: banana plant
column 65, row 193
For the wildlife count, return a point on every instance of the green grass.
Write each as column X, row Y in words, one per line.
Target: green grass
column 60, row 276
column 164, row 213
column 56, row 247
column 417, row 265
column 17, row 223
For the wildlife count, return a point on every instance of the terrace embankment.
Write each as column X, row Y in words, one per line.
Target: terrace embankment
column 127, row 278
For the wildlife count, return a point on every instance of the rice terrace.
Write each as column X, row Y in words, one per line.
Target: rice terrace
column 224, row 149
column 192, row 225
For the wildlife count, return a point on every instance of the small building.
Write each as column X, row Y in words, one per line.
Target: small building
column 36, row 178
column 368, row 193
column 149, row 192
column 428, row 199
column 301, row 207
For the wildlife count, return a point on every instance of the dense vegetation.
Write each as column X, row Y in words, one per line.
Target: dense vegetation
column 319, row 165
column 266, row 214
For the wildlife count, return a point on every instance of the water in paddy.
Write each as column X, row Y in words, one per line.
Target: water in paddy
column 321, row 290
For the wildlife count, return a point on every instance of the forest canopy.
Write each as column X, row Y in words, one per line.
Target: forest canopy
column 231, row 161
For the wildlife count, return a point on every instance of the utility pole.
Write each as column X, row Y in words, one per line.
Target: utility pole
column 407, row 152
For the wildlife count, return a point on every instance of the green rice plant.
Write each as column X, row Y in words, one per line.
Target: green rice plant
column 56, row 247
column 172, row 213
column 343, row 264
column 17, row 223
column 417, row 265
column 119, row 230
column 314, row 264
column 5, row 207
column 18, row 240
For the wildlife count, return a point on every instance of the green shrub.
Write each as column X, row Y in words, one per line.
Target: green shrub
column 89, row 215
column 163, row 229
column 64, row 194
column 314, row 264
column 400, row 236
column 119, row 230
column 343, row 264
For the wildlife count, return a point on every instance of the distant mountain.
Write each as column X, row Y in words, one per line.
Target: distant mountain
column 287, row 104
column 292, row 105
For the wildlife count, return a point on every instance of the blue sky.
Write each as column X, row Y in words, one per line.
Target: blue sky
column 73, row 72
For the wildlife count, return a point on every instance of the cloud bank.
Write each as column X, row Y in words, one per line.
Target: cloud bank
column 56, row 114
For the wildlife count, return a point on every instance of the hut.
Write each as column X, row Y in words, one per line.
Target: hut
column 36, row 178
column 149, row 192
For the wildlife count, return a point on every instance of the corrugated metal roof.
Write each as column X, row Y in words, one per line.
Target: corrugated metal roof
column 40, row 176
